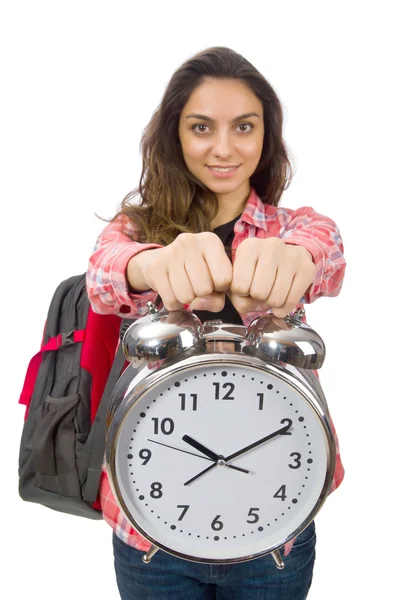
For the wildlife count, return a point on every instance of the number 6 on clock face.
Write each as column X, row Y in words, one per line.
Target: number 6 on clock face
column 220, row 459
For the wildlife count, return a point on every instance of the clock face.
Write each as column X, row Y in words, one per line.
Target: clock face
column 240, row 506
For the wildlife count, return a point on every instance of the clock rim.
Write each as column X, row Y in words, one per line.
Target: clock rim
column 136, row 391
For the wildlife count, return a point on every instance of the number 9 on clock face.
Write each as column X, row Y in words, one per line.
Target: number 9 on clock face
column 220, row 460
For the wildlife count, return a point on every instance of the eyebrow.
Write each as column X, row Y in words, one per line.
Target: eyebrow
column 210, row 120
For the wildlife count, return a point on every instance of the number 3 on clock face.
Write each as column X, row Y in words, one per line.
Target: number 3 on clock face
column 218, row 461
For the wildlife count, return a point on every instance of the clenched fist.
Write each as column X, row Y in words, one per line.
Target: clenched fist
column 195, row 270
column 193, row 266
column 267, row 273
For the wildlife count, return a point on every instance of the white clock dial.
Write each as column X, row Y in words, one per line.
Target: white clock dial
column 225, row 513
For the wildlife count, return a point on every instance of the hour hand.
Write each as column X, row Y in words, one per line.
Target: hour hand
column 201, row 448
column 207, row 452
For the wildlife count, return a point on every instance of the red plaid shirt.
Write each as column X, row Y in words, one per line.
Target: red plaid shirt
column 108, row 292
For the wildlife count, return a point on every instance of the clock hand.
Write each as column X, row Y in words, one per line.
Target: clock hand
column 239, row 452
column 201, row 448
column 179, row 449
column 216, row 457
column 201, row 473
column 258, row 443
column 194, row 454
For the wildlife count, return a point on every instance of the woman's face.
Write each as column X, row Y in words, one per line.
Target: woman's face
column 222, row 125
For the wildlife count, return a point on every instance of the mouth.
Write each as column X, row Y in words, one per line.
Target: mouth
column 223, row 171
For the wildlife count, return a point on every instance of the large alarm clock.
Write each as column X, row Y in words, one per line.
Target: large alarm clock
column 220, row 450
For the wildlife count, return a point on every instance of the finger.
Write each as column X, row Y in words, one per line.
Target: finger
column 243, row 270
column 246, row 304
column 165, row 289
column 213, row 303
column 296, row 292
column 200, row 278
column 219, row 265
column 180, row 282
column 264, row 278
column 281, row 286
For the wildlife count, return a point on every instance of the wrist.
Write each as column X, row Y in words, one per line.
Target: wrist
column 136, row 280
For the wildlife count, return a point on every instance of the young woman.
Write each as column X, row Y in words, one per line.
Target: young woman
column 208, row 232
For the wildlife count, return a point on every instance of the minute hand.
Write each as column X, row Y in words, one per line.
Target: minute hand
column 258, row 443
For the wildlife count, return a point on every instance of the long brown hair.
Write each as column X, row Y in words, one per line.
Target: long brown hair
column 172, row 199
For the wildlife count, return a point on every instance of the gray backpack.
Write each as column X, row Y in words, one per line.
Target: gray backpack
column 67, row 389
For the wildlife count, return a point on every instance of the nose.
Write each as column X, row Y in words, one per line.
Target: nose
column 222, row 145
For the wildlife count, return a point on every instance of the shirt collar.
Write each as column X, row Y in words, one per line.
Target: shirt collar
column 254, row 212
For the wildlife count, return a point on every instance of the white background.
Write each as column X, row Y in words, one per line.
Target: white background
column 79, row 82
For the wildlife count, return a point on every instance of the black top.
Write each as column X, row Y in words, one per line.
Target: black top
column 228, row 314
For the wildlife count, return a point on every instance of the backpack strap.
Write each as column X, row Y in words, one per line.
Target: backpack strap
column 96, row 441
column 54, row 343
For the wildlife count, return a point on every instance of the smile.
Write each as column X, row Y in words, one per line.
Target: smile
column 223, row 171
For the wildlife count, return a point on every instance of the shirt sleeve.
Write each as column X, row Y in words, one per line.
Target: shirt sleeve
column 106, row 279
column 321, row 237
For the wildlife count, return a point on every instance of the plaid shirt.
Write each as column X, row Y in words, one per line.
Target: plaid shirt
column 109, row 293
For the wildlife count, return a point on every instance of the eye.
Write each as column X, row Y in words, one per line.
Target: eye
column 198, row 125
column 246, row 125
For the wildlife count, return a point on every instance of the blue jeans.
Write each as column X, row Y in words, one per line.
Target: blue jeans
column 169, row 578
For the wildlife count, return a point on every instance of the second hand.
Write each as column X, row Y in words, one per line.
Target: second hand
column 179, row 449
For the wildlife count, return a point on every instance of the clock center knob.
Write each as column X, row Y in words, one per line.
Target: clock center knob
column 221, row 462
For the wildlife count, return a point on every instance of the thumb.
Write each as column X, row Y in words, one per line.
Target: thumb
column 246, row 304
column 213, row 303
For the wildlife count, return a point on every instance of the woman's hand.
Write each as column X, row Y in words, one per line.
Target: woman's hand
column 194, row 269
column 267, row 273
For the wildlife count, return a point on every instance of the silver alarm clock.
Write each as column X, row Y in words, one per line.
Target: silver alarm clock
column 221, row 450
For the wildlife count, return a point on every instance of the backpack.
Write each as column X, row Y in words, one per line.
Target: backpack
column 67, row 389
